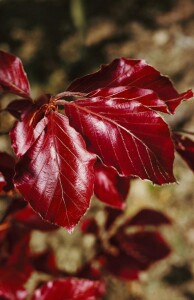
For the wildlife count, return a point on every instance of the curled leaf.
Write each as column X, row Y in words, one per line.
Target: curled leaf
column 185, row 148
column 131, row 73
column 13, row 78
column 109, row 187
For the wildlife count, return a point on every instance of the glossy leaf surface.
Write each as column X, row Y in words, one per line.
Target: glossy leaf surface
column 144, row 96
column 56, row 174
column 131, row 73
column 185, row 148
column 31, row 124
column 109, row 187
column 70, row 289
column 22, row 142
column 125, row 135
column 13, row 78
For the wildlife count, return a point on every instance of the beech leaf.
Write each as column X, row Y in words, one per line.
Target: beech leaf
column 56, row 174
column 109, row 187
column 17, row 269
column 148, row 217
column 131, row 73
column 185, row 148
column 17, row 107
column 125, row 135
column 70, row 289
column 13, row 78
column 29, row 218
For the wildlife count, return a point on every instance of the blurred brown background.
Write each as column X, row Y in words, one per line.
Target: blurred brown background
column 59, row 40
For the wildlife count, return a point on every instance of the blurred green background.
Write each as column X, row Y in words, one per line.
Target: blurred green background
column 59, row 40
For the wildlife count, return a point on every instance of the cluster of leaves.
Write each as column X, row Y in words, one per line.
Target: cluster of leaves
column 105, row 129
column 118, row 251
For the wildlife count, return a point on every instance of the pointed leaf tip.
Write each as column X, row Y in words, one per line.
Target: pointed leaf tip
column 56, row 174
column 13, row 78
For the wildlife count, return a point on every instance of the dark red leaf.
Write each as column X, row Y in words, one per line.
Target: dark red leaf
column 16, row 271
column 45, row 262
column 13, row 78
column 185, row 147
column 134, row 253
column 120, row 265
column 7, row 165
column 111, row 216
column 89, row 271
column 2, row 182
column 71, row 289
column 19, row 106
column 31, row 125
column 144, row 247
column 4, row 227
column 17, row 203
column 131, row 73
column 28, row 217
column 144, row 96
column 23, row 135
column 56, row 174
column 148, row 216
column 109, row 187
column 89, row 225
column 125, row 135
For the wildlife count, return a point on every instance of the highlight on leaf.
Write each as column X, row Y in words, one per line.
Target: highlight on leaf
column 56, row 174
column 185, row 148
column 112, row 114
column 13, row 78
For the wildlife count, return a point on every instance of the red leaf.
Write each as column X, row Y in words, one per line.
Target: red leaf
column 140, row 247
column 45, row 262
column 2, row 182
column 31, row 125
column 90, row 225
column 144, row 96
column 56, row 174
column 22, row 142
column 109, row 187
column 13, row 78
column 185, row 147
column 16, row 270
column 19, row 106
column 120, row 265
column 28, row 217
column 112, row 216
column 148, row 216
column 7, row 165
column 135, row 252
column 125, row 135
column 129, row 72
column 71, row 289
column 11, row 285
